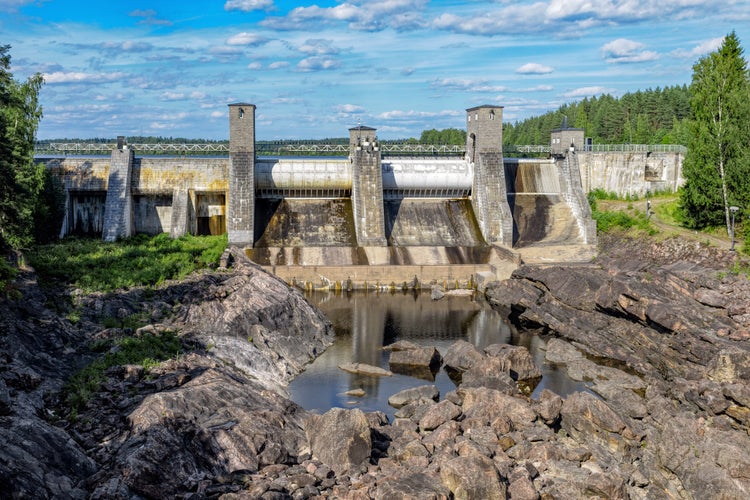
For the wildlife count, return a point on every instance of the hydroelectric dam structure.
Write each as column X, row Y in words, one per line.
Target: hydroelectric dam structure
column 376, row 216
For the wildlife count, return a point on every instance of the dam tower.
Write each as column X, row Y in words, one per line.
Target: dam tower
column 367, row 187
column 241, row 203
column 484, row 149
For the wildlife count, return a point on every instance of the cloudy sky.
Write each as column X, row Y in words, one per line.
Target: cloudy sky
column 315, row 69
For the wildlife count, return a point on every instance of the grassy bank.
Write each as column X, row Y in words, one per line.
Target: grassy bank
column 95, row 266
column 629, row 219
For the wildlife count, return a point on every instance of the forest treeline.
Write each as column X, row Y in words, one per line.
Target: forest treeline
column 653, row 116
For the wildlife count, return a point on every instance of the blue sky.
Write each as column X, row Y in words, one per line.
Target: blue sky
column 316, row 69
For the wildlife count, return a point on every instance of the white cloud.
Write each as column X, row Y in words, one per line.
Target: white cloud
column 701, row 49
column 319, row 47
column 411, row 114
column 13, row 5
column 567, row 18
column 254, row 66
column 286, row 100
column 248, row 5
column 278, row 65
column 79, row 77
column 360, row 15
column 248, row 39
column 318, row 64
column 127, row 46
column 537, row 88
column 172, row 96
column 534, row 69
column 587, row 91
column 349, row 108
column 467, row 85
column 623, row 50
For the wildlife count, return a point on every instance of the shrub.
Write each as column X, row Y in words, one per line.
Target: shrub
column 97, row 266
column 146, row 350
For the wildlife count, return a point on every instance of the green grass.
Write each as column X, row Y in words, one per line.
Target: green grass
column 146, row 350
column 96, row 266
column 608, row 220
column 7, row 275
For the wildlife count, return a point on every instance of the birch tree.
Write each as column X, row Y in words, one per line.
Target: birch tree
column 717, row 165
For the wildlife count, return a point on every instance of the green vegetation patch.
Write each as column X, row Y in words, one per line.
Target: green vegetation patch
column 145, row 350
column 97, row 266
column 608, row 220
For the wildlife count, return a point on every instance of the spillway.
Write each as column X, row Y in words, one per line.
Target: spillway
column 541, row 214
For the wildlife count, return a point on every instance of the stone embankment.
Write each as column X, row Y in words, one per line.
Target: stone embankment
column 659, row 331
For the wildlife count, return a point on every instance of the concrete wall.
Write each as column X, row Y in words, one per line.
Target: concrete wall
column 630, row 174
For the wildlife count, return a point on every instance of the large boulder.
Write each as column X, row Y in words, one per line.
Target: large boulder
column 417, row 486
column 414, row 395
column 340, row 439
column 472, row 477
column 517, row 361
column 419, row 362
column 459, row 357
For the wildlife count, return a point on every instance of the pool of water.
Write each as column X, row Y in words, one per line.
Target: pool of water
column 364, row 323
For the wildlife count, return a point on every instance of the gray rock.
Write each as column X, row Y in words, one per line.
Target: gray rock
column 517, row 361
column 438, row 414
column 365, row 369
column 419, row 362
column 549, row 406
column 489, row 372
column 437, row 292
column 5, row 401
column 461, row 355
column 488, row 405
column 472, row 477
column 414, row 394
column 590, row 419
column 412, row 487
column 340, row 439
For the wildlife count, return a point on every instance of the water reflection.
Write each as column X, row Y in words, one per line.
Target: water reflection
column 364, row 323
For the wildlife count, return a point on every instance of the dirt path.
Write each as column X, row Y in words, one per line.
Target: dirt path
column 665, row 228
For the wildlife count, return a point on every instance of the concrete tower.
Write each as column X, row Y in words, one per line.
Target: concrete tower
column 241, row 202
column 484, row 130
column 367, row 187
column 484, row 148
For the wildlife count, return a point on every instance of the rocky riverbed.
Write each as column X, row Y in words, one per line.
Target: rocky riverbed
column 659, row 330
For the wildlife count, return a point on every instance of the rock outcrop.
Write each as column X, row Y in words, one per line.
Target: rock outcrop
column 657, row 331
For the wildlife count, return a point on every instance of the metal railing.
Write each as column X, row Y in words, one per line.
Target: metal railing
column 636, row 148
column 78, row 148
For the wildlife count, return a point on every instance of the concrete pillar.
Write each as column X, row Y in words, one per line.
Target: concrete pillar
column 241, row 202
column 367, row 187
column 180, row 212
column 484, row 148
column 572, row 189
column 118, row 207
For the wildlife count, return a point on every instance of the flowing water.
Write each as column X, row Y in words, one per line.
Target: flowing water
column 364, row 323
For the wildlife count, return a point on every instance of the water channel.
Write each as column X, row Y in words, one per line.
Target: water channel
column 365, row 322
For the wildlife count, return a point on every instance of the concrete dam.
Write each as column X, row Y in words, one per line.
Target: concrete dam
column 370, row 217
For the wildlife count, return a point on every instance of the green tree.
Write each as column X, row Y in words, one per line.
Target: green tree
column 717, row 165
column 20, row 178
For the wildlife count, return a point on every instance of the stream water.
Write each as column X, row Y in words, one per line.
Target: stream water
column 364, row 323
